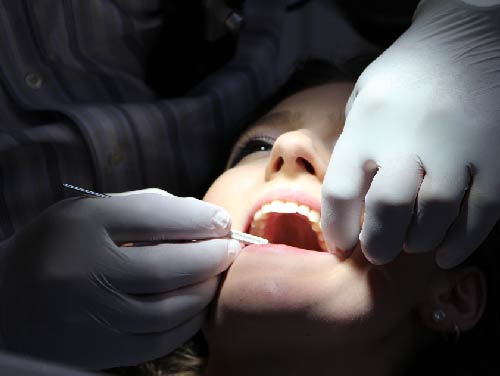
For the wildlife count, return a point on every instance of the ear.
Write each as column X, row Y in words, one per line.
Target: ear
column 460, row 294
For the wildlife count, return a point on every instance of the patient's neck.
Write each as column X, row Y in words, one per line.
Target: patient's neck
column 386, row 357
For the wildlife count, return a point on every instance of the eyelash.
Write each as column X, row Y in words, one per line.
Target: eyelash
column 252, row 144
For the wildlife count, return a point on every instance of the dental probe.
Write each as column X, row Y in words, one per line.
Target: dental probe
column 84, row 191
column 233, row 234
column 247, row 238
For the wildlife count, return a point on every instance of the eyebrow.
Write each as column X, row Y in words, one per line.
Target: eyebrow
column 335, row 119
column 280, row 117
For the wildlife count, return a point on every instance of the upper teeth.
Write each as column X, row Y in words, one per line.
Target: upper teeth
column 288, row 207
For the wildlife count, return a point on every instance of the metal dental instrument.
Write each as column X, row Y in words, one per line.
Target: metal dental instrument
column 247, row 238
column 233, row 234
column 84, row 191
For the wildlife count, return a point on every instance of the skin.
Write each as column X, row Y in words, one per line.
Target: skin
column 281, row 312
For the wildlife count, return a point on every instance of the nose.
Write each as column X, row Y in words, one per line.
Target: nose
column 294, row 153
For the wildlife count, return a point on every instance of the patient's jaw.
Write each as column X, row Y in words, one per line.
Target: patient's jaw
column 304, row 307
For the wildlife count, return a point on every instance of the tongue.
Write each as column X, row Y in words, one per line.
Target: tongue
column 291, row 229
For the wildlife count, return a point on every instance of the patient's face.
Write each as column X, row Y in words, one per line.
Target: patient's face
column 300, row 291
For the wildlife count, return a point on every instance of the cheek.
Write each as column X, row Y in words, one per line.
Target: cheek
column 371, row 299
column 235, row 190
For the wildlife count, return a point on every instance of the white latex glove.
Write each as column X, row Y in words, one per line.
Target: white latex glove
column 69, row 293
column 424, row 123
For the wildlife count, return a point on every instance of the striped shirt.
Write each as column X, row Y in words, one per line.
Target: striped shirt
column 75, row 106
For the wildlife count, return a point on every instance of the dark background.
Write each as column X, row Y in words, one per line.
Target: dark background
column 189, row 57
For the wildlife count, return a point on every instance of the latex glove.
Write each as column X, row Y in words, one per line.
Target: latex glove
column 424, row 122
column 69, row 293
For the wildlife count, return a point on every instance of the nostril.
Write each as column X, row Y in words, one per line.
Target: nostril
column 305, row 163
column 278, row 164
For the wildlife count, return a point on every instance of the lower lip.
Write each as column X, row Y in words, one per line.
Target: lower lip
column 282, row 249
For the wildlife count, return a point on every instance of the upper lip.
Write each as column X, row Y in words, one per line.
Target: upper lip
column 283, row 194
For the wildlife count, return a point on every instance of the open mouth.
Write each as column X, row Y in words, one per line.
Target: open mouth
column 288, row 222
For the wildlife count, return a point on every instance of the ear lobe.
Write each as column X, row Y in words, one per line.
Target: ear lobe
column 460, row 295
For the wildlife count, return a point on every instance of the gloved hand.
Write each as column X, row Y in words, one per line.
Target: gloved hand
column 69, row 293
column 424, row 123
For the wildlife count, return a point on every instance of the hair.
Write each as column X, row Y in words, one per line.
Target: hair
column 467, row 356
column 188, row 360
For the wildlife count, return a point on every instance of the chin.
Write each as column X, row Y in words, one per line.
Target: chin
column 290, row 293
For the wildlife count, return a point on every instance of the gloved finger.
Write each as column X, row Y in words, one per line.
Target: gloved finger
column 167, row 266
column 476, row 219
column 438, row 205
column 388, row 209
column 159, row 312
column 344, row 187
column 132, row 349
column 352, row 97
column 153, row 217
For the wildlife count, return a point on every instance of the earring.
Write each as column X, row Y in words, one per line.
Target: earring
column 438, row 315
